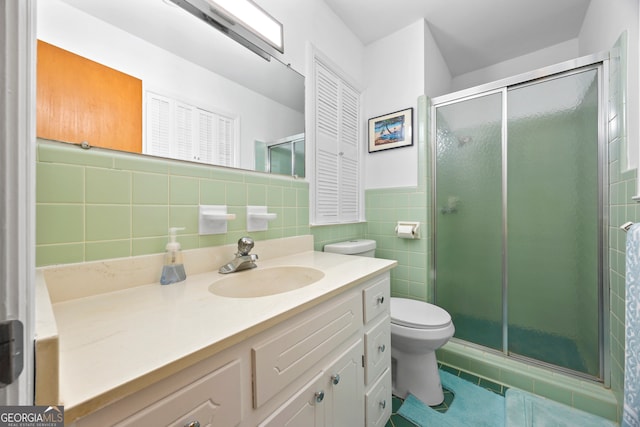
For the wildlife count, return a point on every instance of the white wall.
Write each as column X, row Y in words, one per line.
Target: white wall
column 437, row 79
column 522, row 64
column 604, row 22
column 313, row 21
column 394, row 79
column 167, row 74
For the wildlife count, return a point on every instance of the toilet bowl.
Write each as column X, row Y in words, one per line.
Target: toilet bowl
column 418, row 329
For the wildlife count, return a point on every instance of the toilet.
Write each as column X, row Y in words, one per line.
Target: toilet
column 361, row 247
column 418, row 329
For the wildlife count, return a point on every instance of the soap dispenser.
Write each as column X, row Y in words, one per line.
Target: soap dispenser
column 173, row 269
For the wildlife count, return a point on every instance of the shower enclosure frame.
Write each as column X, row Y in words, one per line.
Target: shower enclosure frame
column 600, row 62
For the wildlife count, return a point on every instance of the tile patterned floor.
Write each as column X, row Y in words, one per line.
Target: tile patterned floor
column 398, row 421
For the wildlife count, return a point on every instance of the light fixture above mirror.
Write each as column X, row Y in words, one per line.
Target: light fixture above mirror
column 243, row 21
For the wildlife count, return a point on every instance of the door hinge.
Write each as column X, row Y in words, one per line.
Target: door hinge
column 363, row 360
column 11, row 351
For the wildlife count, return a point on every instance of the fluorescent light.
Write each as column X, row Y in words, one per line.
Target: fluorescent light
column 242, row 20
column 254, row 19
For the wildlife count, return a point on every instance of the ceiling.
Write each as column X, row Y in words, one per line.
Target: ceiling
column 471, row 34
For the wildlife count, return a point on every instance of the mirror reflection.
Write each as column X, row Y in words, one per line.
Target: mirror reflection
column 197, row 94
column 284, row 157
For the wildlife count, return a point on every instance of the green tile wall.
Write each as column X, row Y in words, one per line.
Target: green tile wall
column 99, row 204
column 622, row 187
column 384, row 208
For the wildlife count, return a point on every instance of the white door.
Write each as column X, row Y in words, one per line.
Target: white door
column 17, row 196
column 345, row 385
column 304, row 409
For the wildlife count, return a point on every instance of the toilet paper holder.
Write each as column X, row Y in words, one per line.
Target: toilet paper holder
column 408, row 230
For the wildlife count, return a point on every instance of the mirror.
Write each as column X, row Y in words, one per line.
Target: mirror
column 180, row 58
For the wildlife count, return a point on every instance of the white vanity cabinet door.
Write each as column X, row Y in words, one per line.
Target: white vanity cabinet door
column 303, row 409
column 377, row 356
column 344, row 381
column 378, row 401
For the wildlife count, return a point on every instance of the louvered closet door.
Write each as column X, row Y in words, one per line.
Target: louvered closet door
column 225, row 141
column 184, row 126
column 336, row 161
column 348, row 154
column 216, row 144
column 158, row 141
column 206, row 140
column 327, row 85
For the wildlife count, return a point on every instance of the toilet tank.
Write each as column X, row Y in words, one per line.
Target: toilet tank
column 361, row 247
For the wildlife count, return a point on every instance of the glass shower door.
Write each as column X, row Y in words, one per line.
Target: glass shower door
column 468, row 217
column 518, row 220
column 553, row 221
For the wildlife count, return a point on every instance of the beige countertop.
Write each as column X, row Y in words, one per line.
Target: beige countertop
column 117, row 342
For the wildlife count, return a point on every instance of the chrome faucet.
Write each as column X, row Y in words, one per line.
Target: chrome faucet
column 243, row 260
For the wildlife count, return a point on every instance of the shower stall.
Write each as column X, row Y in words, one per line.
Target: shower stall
column 519, row 173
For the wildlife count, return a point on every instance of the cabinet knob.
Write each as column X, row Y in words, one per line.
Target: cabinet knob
column 193, row 424
column 382, row 348
column 383, row 404
column 319, row 396
column 381, row 300
column 335, row 379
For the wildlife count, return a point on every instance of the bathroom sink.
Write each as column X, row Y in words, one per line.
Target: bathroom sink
column 260, row 282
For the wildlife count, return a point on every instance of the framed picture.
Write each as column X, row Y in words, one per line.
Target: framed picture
column 392, row 130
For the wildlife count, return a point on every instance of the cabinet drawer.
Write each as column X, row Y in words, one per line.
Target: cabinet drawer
column 376, row 298
column 378, row 401
column 377, row 355
column 287, row 355
column 214, row 399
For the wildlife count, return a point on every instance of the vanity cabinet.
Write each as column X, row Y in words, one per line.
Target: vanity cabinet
column 327, row 365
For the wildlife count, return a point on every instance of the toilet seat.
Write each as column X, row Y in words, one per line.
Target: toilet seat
column 418, row 314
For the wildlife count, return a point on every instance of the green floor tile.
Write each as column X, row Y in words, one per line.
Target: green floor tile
column 491, row 386
column 451, row 370
column 469, row 377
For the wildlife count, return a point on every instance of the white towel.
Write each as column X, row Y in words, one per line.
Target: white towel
column 631, row 410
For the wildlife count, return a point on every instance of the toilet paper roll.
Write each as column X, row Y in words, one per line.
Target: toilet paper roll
column 405, row 232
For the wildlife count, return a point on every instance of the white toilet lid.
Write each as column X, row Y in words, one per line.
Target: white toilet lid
column 418, row 314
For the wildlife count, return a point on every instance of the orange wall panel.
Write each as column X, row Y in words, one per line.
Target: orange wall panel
column 81, row 100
